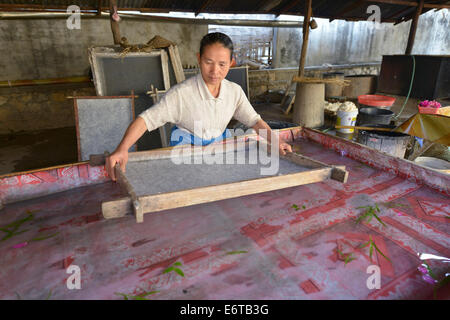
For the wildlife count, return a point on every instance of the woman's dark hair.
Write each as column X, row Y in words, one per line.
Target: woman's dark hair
column 216, row 37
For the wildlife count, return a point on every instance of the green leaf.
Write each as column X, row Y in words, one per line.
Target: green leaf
column 430, row 271
column 376, row 217
column 295, row 206
column 376, row 248
column 148, row 293
column 376, row 206
column 138, row 298
column 168, row 269
column 177, row 263
column 13, row 234
column 360, row 218
column 237, row 252
column 44, row 237
column 349, row 259
column 179, row 272
column 16, row 224
column 364, row 245
column 371, row 251
column 303, row 207
column 122, row 294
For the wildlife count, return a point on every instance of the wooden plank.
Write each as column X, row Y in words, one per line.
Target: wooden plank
column 165, row 69
column 135, row 201
column 77, row 127
column 291, row 104
column 171, row 200
column 176, row 63
column 123, row 181
column 338, row 172
column 166, row 153
column 117, row 208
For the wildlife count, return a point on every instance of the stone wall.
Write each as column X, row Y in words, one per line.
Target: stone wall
column 31, row 108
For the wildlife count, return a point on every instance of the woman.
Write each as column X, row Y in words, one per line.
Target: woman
column 200, row 107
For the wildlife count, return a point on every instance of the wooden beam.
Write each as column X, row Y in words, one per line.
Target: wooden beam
column 202, row 7
column 399, row 13
column 350, row 7
column 412, row 4
column 268, row 5
column 114, row 24
column 308, row 10
column 288, row 7
column 413, row 29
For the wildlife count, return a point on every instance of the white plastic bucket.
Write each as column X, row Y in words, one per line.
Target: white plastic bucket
column 346, row 118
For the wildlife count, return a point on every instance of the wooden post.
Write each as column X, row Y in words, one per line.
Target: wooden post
column 309, row 97
column 301, row 67
column 413, row 29
column 114, row 24
column 99, row 8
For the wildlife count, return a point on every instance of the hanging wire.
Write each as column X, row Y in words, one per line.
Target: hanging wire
column 410, row 87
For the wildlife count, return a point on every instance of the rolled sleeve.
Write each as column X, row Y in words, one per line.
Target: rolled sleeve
column 245, row 113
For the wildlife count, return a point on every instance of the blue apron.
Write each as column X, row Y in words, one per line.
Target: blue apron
column 185, row 137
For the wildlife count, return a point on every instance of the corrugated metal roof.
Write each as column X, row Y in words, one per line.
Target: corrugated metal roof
column 391, row 10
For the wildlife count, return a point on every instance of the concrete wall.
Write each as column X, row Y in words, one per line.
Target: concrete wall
column 340, row 41
column 31, row 108
column 244, row 38
column 41, row 49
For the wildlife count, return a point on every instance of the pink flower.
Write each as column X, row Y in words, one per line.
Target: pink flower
column 428, row 279
column 435, row 104
column 427, row 103
column 424, row 103
column 423, row 270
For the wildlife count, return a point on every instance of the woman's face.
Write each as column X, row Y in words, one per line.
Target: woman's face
column 214, row 63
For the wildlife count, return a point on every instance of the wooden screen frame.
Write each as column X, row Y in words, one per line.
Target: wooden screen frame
column 75, row 109
column 140, row 205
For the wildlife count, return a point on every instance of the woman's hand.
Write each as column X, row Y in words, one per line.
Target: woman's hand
column 119, row 156
column 284, row 147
